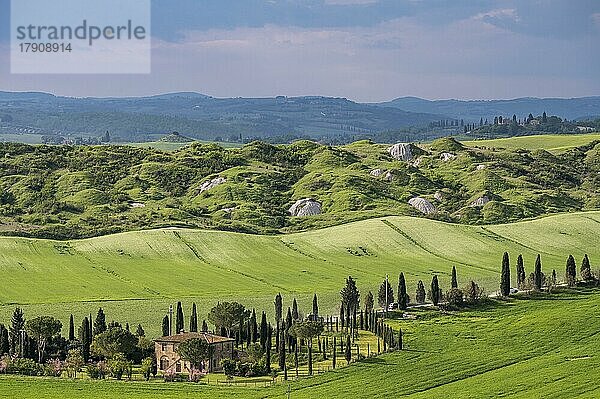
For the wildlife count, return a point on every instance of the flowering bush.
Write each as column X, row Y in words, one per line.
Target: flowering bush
column 195, row 375
column 24, row 367
column 4, row 362
column 53, row 368
column 97, row 371
column 170, row 375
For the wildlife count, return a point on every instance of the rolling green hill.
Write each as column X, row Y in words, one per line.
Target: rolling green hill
column 72, row 192
column 519, row 349
column 136, row 275
column 554, row 143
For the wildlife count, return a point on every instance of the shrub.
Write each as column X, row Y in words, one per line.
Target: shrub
column 473, row 293
column 53, row 368
column 119, row 366
column 170, row 375
column 195, row 375
column 455, row 297
column 97, row 371
column 4, row 362
column 229, row 367
column 147, row 367
column 25, row 367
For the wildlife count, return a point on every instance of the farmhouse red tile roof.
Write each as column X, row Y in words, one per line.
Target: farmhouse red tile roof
column 210, row 338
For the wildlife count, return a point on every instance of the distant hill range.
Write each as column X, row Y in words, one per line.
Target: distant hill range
column 199, row 116
column 280, row 118
column 471, row 111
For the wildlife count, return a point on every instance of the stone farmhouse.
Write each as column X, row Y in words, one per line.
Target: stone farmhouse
column 167, row 358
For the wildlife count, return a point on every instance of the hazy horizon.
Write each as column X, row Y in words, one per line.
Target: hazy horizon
column 289, row 96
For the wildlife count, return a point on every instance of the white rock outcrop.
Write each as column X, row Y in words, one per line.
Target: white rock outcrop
column 305, row 207
column 389, row 176
column 207, row 185
column 439, row 196
column 422, row 205
column 446, row 156
column 479, row 202
column 481, row 167
column 376, row 172
column 401, row 152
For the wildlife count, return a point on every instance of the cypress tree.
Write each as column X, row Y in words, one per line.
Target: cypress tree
column 71, row 329
column 381, row 295
column 268, row 347
column 537, row 274
column 139, row 331
column 454, row 283
column 179, row 326
column 4, row 341
column 282, row 365
column 505, row 276
column 400, row 339
column 194, row 319
column 85, row 337
column 369, row 302
column 278, row 309
column 310, row 358
column 205, row 326
column 165, row 326
column 520, row 272
column 264, row 331
column 586, row 270
column 420, row 295
column 288, row 318
column 248, row 334
column 253, row 327
column 99, row 322
column 348, row 350
column 296, row 360
column 435, row 291
column 571, row 270
column 295, row 315
column 402, row 295
column 342, row 314
column 17, row 324
column 315, row 309
column 334, row 357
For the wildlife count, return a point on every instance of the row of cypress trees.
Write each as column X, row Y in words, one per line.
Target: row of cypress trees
column 537, row 278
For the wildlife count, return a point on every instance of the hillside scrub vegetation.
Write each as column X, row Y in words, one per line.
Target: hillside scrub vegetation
column 80, row 191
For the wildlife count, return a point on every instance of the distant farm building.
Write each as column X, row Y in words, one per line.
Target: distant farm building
column 167, row 358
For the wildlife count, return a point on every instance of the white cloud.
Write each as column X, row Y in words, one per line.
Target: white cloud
column 472, row 58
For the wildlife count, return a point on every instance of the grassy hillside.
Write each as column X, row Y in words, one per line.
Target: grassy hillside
column 71, row 192
column 554, row 143
column 136, row 275
column 519, row 349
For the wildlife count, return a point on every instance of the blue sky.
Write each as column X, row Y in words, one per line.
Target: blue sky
column 366, row 50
